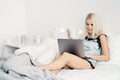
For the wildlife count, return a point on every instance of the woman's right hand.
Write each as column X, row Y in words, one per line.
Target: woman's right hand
column 68, row 33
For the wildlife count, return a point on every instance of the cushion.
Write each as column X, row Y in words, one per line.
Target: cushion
column 10, row 48
column 49, row 50
column 7, row 51
column 44, row 53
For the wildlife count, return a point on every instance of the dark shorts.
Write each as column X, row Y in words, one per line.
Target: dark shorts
column 90, row 64
column 93, row 67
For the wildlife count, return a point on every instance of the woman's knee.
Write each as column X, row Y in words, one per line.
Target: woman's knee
column 67, row 55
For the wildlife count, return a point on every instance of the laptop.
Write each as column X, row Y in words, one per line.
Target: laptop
column 72, row 46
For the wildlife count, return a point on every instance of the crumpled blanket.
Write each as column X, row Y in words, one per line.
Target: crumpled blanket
column 20, row 67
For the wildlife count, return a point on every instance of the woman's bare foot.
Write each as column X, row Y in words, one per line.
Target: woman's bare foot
column 41, row 66
column 55, row 71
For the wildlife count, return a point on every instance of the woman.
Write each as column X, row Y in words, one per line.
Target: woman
column 98, row 51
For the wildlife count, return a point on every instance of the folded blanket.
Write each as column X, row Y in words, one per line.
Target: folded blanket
column 5, row 76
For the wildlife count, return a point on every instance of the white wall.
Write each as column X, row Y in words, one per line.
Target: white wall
column 12, row 18
column 43, row 15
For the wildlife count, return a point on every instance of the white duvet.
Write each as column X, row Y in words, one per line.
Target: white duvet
column 110, row 70
column 43, row 53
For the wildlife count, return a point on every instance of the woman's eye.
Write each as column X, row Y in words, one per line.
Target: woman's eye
column 87, row 24
column 91, row 24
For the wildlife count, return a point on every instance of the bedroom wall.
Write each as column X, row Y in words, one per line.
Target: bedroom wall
column 44, row 15
column 12, row 18
column 40, row 17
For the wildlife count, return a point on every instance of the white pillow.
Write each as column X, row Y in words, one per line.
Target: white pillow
column 44, row 53
column 10, row 48
column 114, row 46
column 49, row 50
column 32, row 50
column 7, row 51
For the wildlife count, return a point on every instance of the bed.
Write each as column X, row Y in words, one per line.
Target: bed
column 104, row 70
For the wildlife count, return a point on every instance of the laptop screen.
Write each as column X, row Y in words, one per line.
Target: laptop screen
column 72, row 46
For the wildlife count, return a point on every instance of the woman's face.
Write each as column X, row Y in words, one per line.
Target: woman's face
column 89, row 26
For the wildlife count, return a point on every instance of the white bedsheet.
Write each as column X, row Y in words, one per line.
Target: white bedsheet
column 101, row 72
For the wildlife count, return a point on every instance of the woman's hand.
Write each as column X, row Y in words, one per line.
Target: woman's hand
column 68, row 33
column 98, row 57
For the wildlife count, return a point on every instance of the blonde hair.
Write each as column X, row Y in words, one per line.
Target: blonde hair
column 97, row 28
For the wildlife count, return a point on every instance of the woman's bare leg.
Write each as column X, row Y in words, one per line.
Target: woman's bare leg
column 67, row 59
column 57, row 57
column 56, row 71
column 56, row 64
